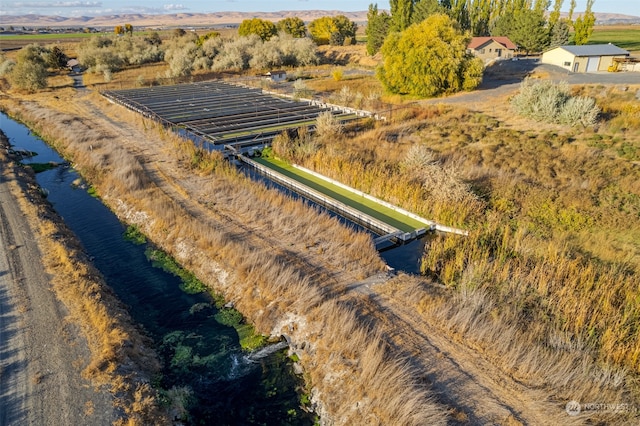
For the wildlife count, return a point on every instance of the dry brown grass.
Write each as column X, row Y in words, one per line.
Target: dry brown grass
column 273, row 282
column 547, row 281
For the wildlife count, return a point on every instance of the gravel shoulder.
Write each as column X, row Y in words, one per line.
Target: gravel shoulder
column 41, row 354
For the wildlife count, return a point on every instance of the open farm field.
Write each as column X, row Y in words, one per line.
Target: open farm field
column 8, row 42
column 624, row 36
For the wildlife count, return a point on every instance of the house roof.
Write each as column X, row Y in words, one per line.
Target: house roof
column 477, row 42
column 594, row 50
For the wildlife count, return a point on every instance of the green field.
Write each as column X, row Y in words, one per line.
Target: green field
column 16, row 41
column 46, row 37
column 369, row 207
column 626, row 38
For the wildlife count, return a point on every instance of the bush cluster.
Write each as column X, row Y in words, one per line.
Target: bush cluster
column 107, row 54
column 238, row 53
column 552, row 102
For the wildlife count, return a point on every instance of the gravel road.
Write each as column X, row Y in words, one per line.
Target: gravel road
column 41, row 354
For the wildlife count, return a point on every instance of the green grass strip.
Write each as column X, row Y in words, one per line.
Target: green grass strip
column 56, row 36
column 358, row 202
column 46, row 36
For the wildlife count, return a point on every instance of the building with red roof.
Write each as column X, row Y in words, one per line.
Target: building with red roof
column 489, row 48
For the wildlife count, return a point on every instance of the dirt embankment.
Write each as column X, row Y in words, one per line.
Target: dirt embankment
column 52, row 369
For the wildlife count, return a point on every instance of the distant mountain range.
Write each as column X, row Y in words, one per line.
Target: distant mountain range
column 215, row 19
column 169, row 20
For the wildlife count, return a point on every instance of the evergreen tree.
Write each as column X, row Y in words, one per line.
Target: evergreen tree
column 560, row 33
column 526, row 28
column 56, row 58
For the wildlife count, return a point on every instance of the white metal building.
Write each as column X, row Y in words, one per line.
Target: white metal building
column 585, row 58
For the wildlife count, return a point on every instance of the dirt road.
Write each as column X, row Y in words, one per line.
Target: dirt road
column 41, row 355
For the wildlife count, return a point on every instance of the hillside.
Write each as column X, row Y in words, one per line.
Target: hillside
column 172, row 20
column 217, row 19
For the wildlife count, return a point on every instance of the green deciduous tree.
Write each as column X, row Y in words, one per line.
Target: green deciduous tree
column 401, row 11
column 422, row 9
column 428, row 59
column 460, row 13
column 583, row 26
column 30, row 71
column 321, row 29
column 293, row 26
column 346, row 28
column 263, row 29
column 378, row 24
column 333, row 30
column 554, row 16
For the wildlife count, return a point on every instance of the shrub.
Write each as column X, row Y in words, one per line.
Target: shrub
column 328, row 126
column 552, row 102
column 6, row 66
column 300, row 88
column 29, row 72
column 579, row 110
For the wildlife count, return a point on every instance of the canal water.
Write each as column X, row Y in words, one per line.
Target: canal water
column 228, row 385
column 405, row 258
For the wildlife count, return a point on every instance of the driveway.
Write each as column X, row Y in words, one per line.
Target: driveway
column 504, row 77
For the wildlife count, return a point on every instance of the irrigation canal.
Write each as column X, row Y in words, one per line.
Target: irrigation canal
column 199, row 352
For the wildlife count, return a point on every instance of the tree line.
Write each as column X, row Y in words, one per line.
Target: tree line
column 528, row 23
column 333, row 30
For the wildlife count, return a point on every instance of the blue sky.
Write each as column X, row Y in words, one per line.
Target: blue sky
column 107, row 7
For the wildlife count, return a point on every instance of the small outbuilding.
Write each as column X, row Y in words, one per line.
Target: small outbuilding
column 276, row 76
column 584, row 58
column 73, row 65
column 490, row 48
